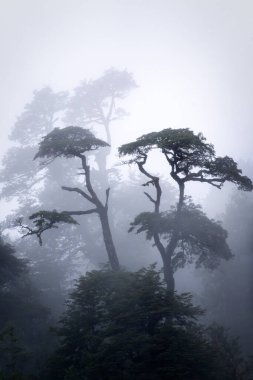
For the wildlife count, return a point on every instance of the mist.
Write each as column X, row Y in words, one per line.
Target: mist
column 109, row 185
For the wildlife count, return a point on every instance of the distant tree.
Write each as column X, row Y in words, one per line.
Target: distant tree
column 230, row 288
column 96, row 103
column 30, row 185
column 39, row 116
column 185, row 232
column 74, row 142
column 19, row 173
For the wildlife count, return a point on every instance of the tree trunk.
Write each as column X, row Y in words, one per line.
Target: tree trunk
column 170, row 249
column 107, row 235
column 168, row 274
column 167, row 268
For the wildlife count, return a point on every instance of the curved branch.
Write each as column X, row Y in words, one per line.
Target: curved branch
column 149, row 197
column 107, row 197
column 211, row 181
column 79, row 191
column 87, row 212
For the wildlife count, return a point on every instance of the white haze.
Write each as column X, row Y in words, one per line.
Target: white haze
column 192, row 60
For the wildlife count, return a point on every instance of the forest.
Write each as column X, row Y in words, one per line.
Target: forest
column 109, row 267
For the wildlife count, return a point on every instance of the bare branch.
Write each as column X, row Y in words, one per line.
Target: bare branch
column 86, row 212
column 211, row 181
column 38, row 232
column 148, row 183
column 149, row 197
column 107, row 197
column 79, row 191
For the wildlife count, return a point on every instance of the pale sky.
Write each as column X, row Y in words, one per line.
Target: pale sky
column 192, row 59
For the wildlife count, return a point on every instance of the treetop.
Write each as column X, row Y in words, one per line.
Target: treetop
column 181, row 140
column 68, row 142
column 191, row 158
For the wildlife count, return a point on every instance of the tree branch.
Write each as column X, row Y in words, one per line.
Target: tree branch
column 86, row 212
column 79, row 191
column 149, row 197
column 107, row 197
column 37, row 232
column 211, row 181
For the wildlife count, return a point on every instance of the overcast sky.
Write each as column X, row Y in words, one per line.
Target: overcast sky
column 192, row 59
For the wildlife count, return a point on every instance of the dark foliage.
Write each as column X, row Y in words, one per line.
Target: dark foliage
column 10, row 265
column 68, row 142
column 127, row 326
column 45, row 220
column 200, row 239
column 23, row 320
column 190, row 157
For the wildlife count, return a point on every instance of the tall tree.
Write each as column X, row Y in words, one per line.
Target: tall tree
column 19, row 174
column 63, row 256
column 29, row 184
column 96, row 103
column 185, row 231
column 74, row 142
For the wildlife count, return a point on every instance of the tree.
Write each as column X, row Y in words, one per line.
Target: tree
column 185, row 231
column 10, row 266
column 95, row 103
column 74, row 142
column 126, row 325
column 64, row 255
column 20, row 174
column 114, row 327
column 23, row 319
column 28, row 185
column 230, row 288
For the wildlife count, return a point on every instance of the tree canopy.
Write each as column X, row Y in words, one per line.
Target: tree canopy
column 200, row 239
column 125, row 325
column 68, row 142
column 115, row 327
column 190, row 157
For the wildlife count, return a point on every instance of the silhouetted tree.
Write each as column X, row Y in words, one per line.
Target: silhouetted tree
column 74, row 142
column 186, row 231
column 96, row 103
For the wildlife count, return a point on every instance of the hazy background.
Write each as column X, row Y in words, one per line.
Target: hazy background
column 192, row 60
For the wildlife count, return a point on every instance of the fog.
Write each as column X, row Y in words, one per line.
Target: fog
column 179, row 64
column 192, row 61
